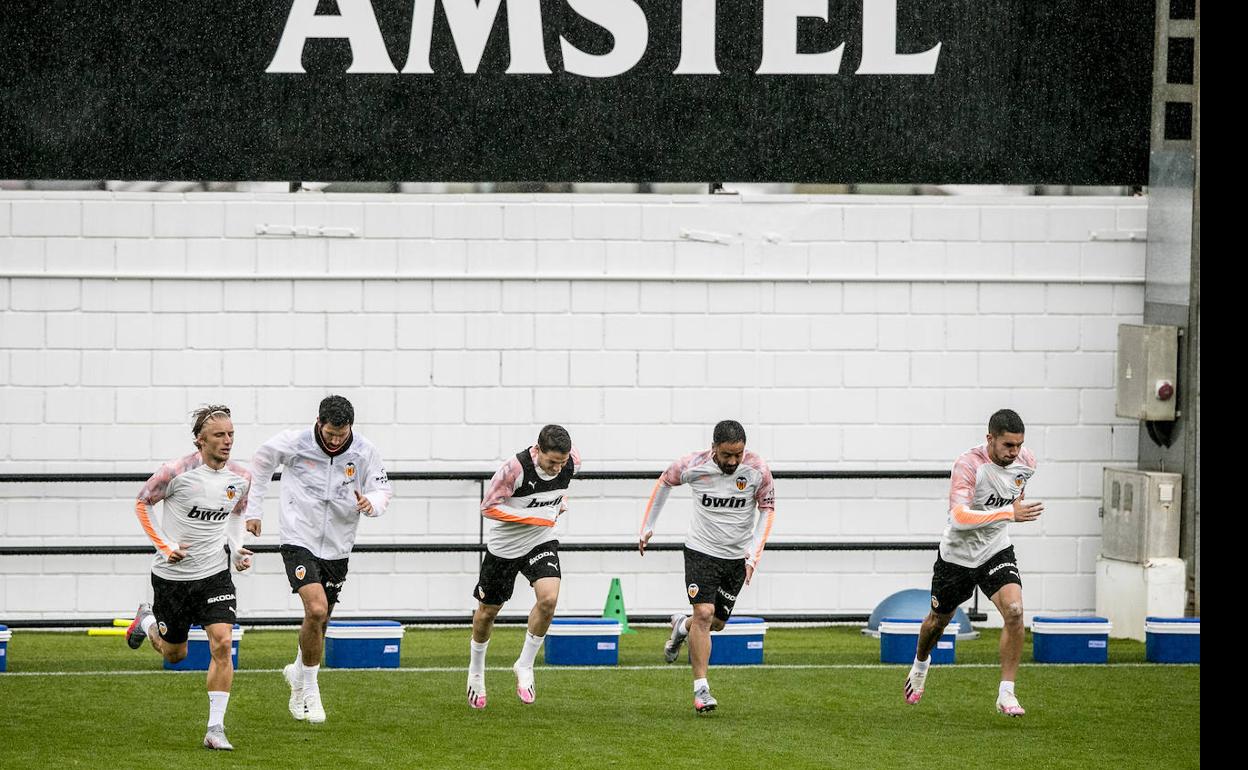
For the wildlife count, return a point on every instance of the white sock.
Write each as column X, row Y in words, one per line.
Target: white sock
column 920, row 666
column 683, row 627
column 529, row 654
column 217, row 701
column 298, row 662
column 476, row 661
column 309, row 677
column 148, row 624
column 698, row 684
column 1005, row 687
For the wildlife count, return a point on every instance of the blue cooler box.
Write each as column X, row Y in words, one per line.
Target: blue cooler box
column 363, row 643
column 197, row 655
column 1166, row 640
column 582, row 642
column 1070, row 640
column 5, row 636
column 899, row 640
column 740, row 643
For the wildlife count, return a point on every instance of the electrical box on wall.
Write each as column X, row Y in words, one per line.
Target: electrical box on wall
column 1148, row 372
column 1141, row 515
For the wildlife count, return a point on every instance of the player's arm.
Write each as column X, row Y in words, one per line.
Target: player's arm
column 765, row 499
column 377, row 489
column 502, row 486
column 961, row 496
column 234, row 528
column 144, row 508
column 574, row 457
column 672, row 477
column 264, row 462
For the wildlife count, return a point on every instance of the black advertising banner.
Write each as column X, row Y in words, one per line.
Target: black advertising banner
column 838, row 91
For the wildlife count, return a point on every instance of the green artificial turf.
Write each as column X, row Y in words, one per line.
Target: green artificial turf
column 821, row 700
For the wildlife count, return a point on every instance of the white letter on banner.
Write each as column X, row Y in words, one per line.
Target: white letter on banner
column 524, row 27
column 626, row 22
column 356, row 22
column 471, row 25
column 697, row 38
column 879, row 44
column 780, row 56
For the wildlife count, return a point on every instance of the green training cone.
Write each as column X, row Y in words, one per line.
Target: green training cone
column 615, row 607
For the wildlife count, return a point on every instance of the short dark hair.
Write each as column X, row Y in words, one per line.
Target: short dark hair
column 554, row 438
column 728, row 432
column 1005, row 421
column 203, row 415
column 336, row 410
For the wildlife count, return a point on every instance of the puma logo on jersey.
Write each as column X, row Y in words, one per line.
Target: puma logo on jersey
column 723, row 502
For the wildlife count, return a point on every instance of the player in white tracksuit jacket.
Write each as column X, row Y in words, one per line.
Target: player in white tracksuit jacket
column 331, row 476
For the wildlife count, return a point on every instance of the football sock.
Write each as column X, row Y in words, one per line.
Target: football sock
column 476, row 661
column 529, row 653
column 217, row 701
column 309, row 677
column 149, row 623
column 1005, row 687
column 698, row 684
column 683, row 628
column 920, row 666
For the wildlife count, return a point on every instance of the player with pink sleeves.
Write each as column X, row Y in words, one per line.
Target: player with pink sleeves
column 985, row 495
column 733, row 510
column 523, row 504
column 197, row 537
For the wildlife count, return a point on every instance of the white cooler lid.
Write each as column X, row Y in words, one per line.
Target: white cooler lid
column 1072, row 629
column 200, row 635
column 1150, row 627
column 742, row 629
column 364, row 632
column 911, row 628
column 567, row 628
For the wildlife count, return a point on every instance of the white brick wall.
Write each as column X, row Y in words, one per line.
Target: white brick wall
column 455, row 372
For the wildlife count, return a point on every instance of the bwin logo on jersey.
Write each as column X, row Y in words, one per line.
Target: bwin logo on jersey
column 206, row 514
column 723, row 502
column 995, row 501
column 544, row 503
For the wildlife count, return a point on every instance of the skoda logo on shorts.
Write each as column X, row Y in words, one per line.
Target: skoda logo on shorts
column 300, row 571
column 349, row 470
column 741, row 483
column 693, row 590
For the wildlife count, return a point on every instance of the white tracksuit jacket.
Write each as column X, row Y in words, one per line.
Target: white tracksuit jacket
column 318, row 505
